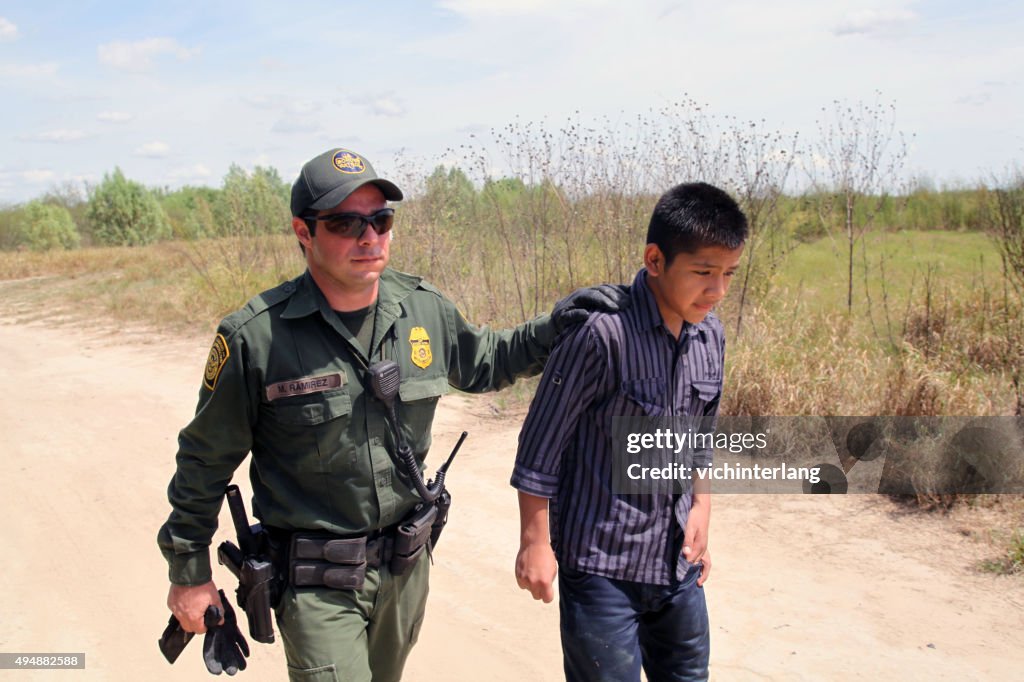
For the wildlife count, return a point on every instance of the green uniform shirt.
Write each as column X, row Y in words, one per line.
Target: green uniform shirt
column 285, row 381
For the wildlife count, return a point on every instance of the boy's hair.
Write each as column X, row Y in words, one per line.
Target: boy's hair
column 694, row 215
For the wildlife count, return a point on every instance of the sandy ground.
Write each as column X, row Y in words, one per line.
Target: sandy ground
column 802, row 588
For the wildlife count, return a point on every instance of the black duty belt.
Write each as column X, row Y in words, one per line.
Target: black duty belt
column 319, row 559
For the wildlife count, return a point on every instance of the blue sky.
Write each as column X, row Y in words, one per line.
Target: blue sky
column 175, row 93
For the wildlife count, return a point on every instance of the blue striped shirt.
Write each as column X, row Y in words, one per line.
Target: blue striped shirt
column 625, row 364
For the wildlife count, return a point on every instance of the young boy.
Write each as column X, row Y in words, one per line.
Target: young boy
column 631, row 567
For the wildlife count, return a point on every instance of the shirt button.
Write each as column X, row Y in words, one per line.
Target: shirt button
column 288, row 287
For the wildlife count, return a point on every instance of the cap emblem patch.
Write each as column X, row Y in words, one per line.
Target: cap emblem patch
column 347, row 162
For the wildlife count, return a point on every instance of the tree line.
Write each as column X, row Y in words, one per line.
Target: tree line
column 119, row 211
column 570, row 201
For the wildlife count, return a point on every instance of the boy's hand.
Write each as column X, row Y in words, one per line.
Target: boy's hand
column 535, row 570
column 695, row 535
column 705, row 569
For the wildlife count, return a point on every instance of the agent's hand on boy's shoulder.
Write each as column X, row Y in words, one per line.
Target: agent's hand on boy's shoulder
column 535, row 570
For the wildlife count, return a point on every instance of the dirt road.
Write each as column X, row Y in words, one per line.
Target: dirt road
column 802, row 588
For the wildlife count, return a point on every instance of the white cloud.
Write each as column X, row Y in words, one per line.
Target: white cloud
column 37, row 176
column 500, row 8
column 303, row 106
column 272, row 64
column 30, row 71
column 59, row 136
column 153, row 150
column 138, row 56
column 872, row 21
column 8, row 31
column 295, row 124
column 114, row 117
column 261, row 101
column 194, row 173
column 385, row 104
column 470, row 7
column 979, row 99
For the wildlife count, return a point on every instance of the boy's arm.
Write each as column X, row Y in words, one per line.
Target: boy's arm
column 535, row 563
column 576, row 373
column 695, row 535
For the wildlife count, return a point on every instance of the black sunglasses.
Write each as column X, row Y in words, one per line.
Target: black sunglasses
column 354, row 224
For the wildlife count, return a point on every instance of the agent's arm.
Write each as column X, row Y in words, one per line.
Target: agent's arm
column 210, row 448
column 487, row 359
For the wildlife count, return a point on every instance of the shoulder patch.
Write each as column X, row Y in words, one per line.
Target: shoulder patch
column 219, row 355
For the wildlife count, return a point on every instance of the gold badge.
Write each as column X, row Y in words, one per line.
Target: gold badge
column 219, row 354
column 420, row 342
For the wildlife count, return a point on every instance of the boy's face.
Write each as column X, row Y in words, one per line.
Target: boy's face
column 693, row 284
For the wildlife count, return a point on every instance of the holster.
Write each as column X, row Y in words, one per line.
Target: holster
column 258, row 598
column 259, row 589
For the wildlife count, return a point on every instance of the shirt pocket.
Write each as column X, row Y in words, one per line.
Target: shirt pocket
column 314, row 409
column 645, row 397
column 312, row 431
column 419, row 397
column 705, row 389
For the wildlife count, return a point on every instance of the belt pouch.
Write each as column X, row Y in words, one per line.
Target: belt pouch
column 411, row 538
column 400, row 563
column 325, row 560
column 413, row 532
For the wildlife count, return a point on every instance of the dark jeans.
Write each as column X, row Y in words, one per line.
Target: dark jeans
column 610, row 627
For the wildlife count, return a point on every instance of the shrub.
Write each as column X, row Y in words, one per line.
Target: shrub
column 124, row 213
column 253, row 203
column 43, row 227
column 190, row 212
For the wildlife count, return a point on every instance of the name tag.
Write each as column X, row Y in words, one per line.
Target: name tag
column 305, row 385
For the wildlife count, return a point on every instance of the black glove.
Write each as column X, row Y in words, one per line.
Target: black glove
column 576, row 307
column 224, row 648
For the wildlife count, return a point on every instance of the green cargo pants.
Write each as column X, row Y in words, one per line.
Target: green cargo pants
column 340, row 635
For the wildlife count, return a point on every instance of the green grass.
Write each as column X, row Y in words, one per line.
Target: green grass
column 815, row 274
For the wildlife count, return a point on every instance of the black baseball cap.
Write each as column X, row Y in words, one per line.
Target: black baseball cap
column 326, row 180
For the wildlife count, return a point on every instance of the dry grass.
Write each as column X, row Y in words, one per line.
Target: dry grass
column 815, row 364
column 172, row 286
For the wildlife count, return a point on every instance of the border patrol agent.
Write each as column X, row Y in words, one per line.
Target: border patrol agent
column 287, row 381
